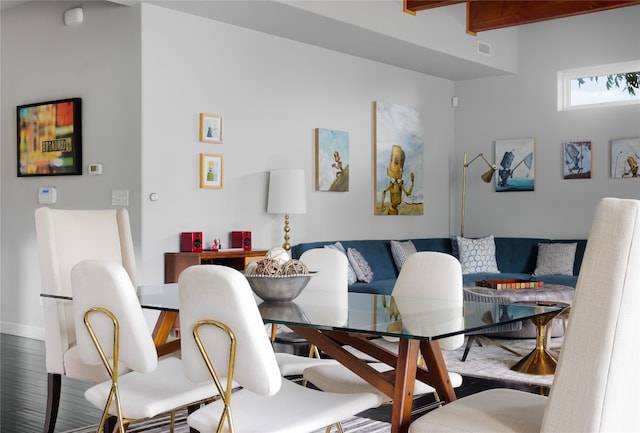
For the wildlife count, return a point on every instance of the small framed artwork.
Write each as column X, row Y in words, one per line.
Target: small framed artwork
column 210, row 128
column 577, row 160
column 211, row 171
column 625, row 158
column 332, row 160
column 516, row 171
column 50, row 138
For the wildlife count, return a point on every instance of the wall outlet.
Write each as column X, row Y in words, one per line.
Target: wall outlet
column 120, row 197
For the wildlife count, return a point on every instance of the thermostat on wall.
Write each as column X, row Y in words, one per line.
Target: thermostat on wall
column 95, row 169
column 47, row 195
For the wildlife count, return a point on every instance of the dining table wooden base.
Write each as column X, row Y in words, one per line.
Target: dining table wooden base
column 398, row 383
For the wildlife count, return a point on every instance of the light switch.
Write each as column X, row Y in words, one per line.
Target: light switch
column 120, row 197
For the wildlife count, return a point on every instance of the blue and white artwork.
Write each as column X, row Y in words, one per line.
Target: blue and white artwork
column 516, row 164
column 577, row 160
column 625, row 158
column 399, row 155
column 332, row 160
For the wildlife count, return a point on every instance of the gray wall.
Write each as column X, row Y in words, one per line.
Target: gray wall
column 524, row 105
column 43, row 60
column 146, row 73
column 272, row 93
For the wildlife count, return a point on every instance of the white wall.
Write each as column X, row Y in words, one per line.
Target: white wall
column 524, row 105
column 43, row 60
column 272, row 93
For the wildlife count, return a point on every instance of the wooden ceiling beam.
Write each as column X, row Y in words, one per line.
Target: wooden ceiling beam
column 485, row 15
column 490, row 15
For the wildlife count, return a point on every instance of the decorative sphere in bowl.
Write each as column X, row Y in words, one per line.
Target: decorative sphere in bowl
column 278, row 288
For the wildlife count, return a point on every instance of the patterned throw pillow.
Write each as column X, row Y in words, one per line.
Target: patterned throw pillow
column 555, row 259
column 477, row 255
column 360, row 265
column 351, row 274
column 400, row 251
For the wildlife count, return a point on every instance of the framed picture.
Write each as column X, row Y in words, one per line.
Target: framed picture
column 577, row 160
column 516, row 169
column 398, row 160
column 625, row 157
column 332, row 160
column 50, row 138
column 211, row 171
column 210, row 128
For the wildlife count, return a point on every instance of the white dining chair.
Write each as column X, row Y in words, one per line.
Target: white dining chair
column 331, row 267
column 64, row 238
column 429, row 275
column 112, row 333
column 223, row 337
column 596, row 382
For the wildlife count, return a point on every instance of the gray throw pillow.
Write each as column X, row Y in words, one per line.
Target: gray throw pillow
column 360, row 265
column 555, row 259
column 400, row 251
column 351, row 274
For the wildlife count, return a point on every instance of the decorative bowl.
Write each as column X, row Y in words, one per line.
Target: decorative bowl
column 278, row 288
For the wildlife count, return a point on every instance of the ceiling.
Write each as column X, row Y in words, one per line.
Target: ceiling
column 483, row 15
column 281, row 18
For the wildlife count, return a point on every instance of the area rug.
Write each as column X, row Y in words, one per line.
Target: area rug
column 493, row 362
column 161, row 425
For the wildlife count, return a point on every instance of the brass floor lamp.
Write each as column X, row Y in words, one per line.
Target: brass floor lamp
column 486, row 177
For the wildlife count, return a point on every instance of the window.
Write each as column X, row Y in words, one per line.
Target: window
column 604, row 85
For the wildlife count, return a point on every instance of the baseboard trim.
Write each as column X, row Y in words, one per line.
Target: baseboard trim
column 20, row 330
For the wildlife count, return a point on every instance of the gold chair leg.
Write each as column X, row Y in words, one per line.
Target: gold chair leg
column 338, row 428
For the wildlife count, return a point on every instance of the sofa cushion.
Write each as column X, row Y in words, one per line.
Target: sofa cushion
column 400, row 251
column 555, row 259
column 477, row 255
column 360, row 265
column 517, row 254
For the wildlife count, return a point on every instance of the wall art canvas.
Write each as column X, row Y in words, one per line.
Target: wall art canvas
column 398, row 159
column 50, row 138
column 577, row 160
column 625, row 157
column 332, row 160
column 211, row 171
column 210, row 128
column 516, row 164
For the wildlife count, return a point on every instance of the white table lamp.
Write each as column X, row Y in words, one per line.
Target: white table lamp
column 287, row 195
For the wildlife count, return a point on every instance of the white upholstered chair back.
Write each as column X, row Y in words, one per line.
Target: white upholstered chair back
column 105, row 284
column 437, row 276
column 332, row 267
column 66, row 237
column 597, row 379
column 212, row 292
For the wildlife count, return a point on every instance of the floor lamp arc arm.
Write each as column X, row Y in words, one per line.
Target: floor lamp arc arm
column 486, row 177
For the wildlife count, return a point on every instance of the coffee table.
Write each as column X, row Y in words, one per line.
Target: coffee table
column 539, row 361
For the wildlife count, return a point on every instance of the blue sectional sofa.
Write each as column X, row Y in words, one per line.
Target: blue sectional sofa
column 516, row 259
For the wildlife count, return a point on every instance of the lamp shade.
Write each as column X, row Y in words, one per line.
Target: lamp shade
column 287, row 191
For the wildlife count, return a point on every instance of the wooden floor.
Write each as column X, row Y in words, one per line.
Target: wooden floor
column 23, row 389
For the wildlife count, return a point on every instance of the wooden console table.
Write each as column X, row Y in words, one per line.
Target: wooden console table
column 236, row 258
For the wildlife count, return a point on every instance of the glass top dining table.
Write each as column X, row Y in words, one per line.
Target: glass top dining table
column 332, row 320
column 378, row 315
